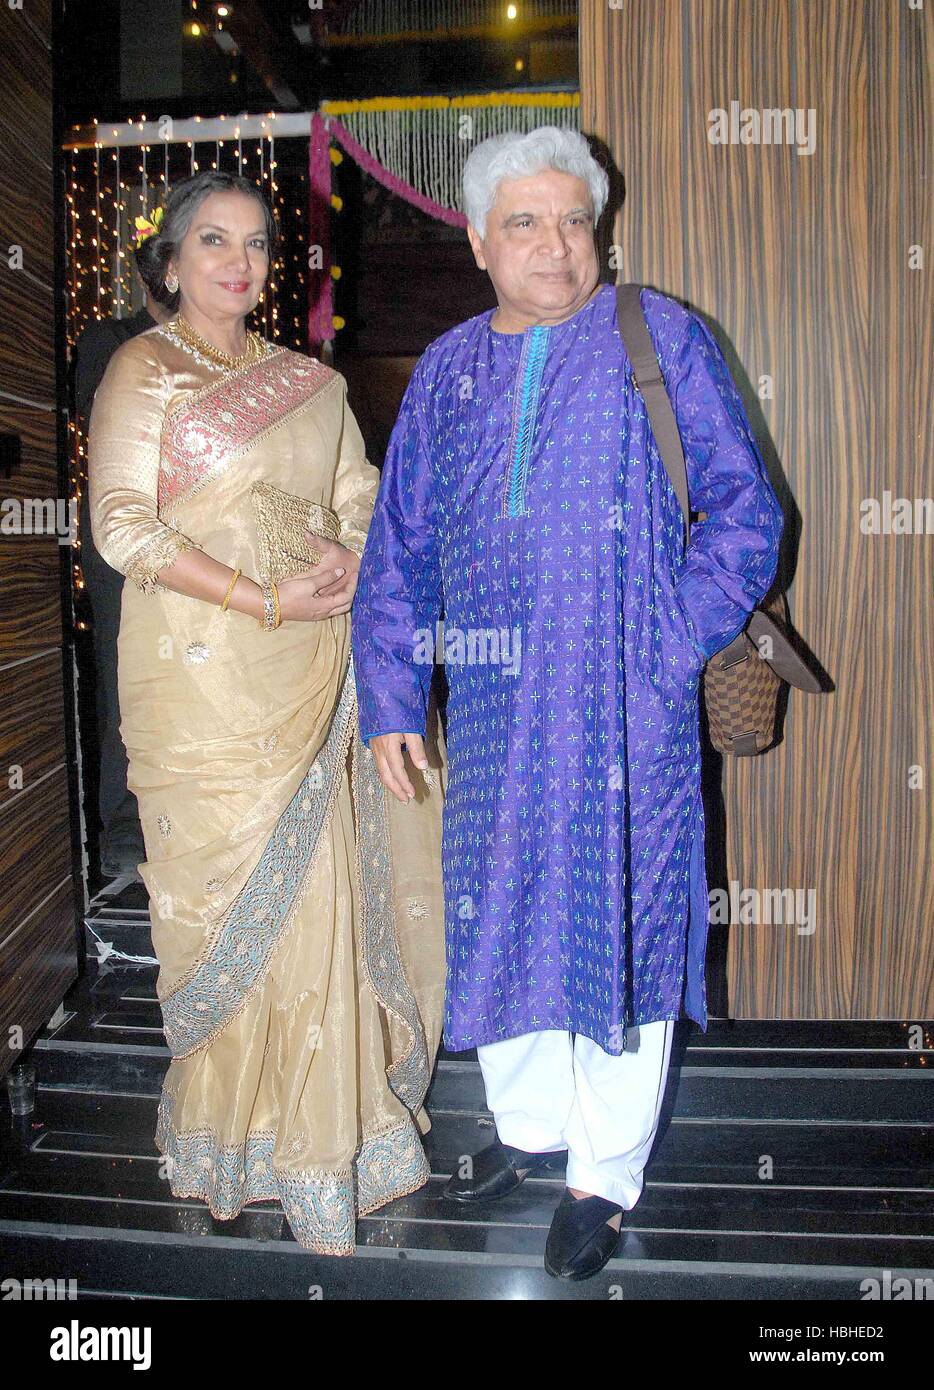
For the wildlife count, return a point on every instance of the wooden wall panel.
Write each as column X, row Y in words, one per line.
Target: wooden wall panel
column 38, row 960
column 37, row 428
column 32, row 732
column 30, row 598
column 27, row 356
column 26, row 114
column 800, row 264
column 38, row 943
column 913, row 353
column 28, row 366
column 30, row 565
column 35, row 845
column 19, row 214
column 40, row 20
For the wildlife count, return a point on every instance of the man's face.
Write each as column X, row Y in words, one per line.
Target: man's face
column 538, row 248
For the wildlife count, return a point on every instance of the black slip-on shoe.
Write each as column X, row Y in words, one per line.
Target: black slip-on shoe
column 579, row 1241
column 495, row 1172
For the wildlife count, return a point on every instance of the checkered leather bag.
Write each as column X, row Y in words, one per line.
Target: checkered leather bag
column 742, row 682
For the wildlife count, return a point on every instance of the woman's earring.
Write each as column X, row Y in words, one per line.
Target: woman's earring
column 171, row 282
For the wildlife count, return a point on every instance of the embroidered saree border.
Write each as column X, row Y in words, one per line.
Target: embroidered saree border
column 321, row 1205
column 410, row 1074
column 237, row 956
column 204, row 433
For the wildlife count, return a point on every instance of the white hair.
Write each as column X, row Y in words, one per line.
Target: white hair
column 515, row 155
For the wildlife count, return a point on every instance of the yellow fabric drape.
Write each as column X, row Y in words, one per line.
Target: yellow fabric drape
column 297, row 916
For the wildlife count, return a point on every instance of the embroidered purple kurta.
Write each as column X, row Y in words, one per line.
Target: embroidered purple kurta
column 524, row 499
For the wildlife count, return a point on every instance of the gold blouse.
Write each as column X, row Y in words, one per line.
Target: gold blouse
column 268, row 426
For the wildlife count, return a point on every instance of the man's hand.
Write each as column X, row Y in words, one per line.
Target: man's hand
column 387, row 750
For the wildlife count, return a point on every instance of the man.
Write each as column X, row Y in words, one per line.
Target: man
column 522, row 490
column 121, row 848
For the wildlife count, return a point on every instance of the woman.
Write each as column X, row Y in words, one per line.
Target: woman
column 296, row 914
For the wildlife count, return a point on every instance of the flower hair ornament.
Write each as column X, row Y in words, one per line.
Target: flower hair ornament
column 148, row 226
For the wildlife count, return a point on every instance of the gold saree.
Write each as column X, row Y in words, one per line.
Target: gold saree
column 296, row 907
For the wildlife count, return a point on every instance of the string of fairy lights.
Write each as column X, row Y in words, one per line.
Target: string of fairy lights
column 109, row 186
column 112, row 181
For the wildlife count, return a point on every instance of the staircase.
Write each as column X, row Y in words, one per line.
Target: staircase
column 841, row 1115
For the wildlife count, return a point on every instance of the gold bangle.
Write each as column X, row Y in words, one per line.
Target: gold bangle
column 272, row 614
column 230, row 589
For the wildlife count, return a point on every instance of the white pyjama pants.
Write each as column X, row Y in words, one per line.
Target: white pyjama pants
column 553, row 1090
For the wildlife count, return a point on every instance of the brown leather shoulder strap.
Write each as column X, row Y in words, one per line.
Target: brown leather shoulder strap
column 640, row 349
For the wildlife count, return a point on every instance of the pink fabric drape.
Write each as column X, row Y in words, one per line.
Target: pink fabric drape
column 323, row 129
column 320, row 298
column 389, row 180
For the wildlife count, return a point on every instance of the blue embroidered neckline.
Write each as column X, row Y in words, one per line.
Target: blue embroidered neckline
column 528, row 391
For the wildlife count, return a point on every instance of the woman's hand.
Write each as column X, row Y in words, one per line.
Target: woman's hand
column 324, row 590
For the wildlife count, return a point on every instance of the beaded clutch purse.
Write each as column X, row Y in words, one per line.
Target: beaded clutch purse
column 281, row 522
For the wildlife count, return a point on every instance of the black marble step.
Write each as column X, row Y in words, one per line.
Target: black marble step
column 65, row 1173
column 126, row 994
column 873, row 1095
column 144, row 1264
column 120, row 901
column 117, row 1003
column 124, row 942
column 118, row 915
column 125, row 1232
column 697, row 1152
column 130, row 1068
column 130, row 1013
column 842, row 1111
column 436, row 1228
column 850, row 1195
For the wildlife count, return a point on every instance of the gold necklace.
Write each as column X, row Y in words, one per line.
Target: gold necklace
column 216, row 357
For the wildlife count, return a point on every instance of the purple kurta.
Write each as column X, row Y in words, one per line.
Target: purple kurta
column 522, row 492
